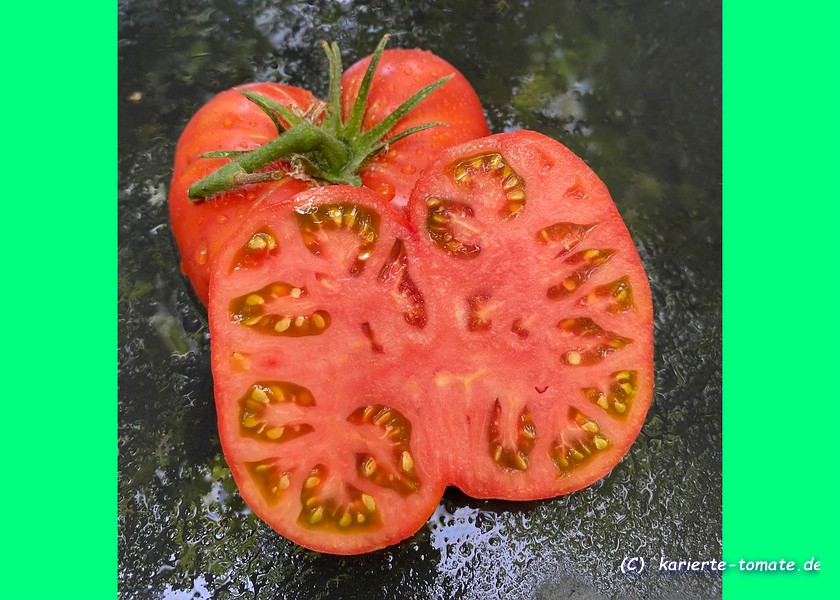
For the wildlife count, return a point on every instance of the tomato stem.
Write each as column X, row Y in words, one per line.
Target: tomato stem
column 334, row 152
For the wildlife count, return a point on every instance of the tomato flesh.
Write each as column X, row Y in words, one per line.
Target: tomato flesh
column 500, row 340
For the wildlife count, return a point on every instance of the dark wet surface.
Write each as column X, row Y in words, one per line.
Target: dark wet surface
column 634, row 88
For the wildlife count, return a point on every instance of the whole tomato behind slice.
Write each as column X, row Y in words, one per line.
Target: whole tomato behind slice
column 401, row 73
column 382, row 140
column 229, row 121
column 542, row 316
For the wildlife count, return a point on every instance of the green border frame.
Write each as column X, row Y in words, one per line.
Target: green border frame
column 781, row 246
column 59, row 248
column 781, row 90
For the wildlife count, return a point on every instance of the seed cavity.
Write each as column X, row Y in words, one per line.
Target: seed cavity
column 329, row 504
column 615, row 297
column 585, row 262
column 563, row 236
column 270, row 479
column 590, row 342
column 439, row 225
column 312, row 220
column 261, row 244
column 394, row 272
column 464, row 172
column 621, row 391
column 262, row 417
column 510, row 446
column 375, row 346
column 395, row 466
column 577, row 443
column 479, row 309
column 252, row 310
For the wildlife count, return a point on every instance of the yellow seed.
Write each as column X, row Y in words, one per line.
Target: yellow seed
column 574, row 358
column 511, row 182
column 517, row 194
column 497, row 453
column 369, row 466
column 295, row 292
column 257, row 242
column 316, row 515
column 318, row 321
column 622, row 376
column 261, row 468
column 284, row 481
column 360, row 518
column 345, row 520
column 350, row 218
column 620, row 407
column 252, row 320
column 368, row 412
column 528, row 432
column 250, row 420
column 432, row 202
column 494, row 161
column 602, row 402
column 369, row 502
column 476, row 163
column 283, row 324
column 275, row 433
column 591, row 427
column 406, row 462
column 569, row 283
column 259, row 395
column 254, row 300
column 521, row 462
column 562, row 460
column 278, row 394
column 544, row 235
column 460, row 174
column 299, row 321
column 382, row 418
column 311, row 482
column 601, row 443
column 576, row 454
column 628, row 388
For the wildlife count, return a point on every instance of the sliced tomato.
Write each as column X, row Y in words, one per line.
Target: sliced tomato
column 500, row 341
column 542, row 317
column 309, row 315
column 401, row 73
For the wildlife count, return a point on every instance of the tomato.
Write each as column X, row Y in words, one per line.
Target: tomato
column 307, row 303
column 541, row 312
column 400, row 73
column 229, row 121
column 232, row 122
column 499, row 341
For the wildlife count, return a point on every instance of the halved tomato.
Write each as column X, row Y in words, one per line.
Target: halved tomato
column 541, row 314
column 500, row 342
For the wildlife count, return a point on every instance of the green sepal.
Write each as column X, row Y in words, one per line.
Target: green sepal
column 332, row 152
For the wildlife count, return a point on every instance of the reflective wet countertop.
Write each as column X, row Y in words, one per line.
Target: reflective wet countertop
column 634, row 88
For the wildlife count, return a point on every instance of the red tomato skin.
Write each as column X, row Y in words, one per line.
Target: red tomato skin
column 401, row 73
column 228, row 121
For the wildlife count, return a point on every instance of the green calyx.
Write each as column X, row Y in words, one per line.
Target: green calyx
column 332, row 152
